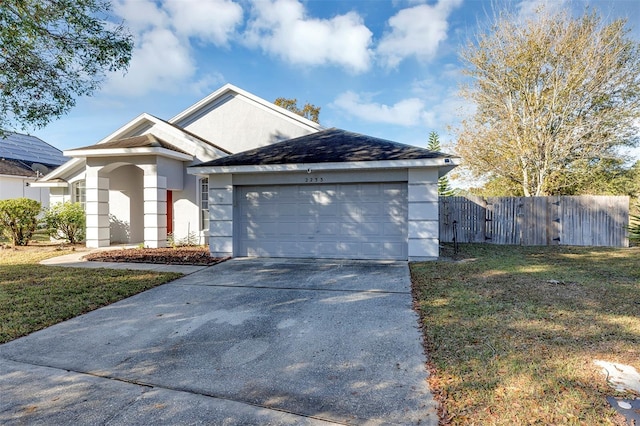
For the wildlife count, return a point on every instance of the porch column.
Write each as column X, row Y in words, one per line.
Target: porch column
column 97, row 209
column 220, row 215
column 424, row 242
column 155, row 209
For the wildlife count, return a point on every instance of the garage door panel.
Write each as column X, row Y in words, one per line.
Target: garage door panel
column 357, row 221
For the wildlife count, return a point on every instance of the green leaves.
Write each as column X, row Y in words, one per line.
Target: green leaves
column 66, row 221
column 52, row 51
column 19, row 219
column 308, row 111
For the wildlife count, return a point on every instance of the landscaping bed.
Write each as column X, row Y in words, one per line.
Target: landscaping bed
column 173, row 256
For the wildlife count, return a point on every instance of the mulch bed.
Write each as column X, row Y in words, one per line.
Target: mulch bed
column 171, row 256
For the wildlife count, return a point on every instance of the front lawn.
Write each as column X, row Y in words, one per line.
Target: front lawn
column 34, row 296
column 512, row 333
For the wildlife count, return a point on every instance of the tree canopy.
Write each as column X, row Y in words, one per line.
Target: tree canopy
column 52, row 51
column 554, row 95
column 308, row 111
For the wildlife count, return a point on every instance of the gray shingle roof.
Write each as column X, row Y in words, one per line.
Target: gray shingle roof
column 327, row 146
column 143, row 141
column 30, row 149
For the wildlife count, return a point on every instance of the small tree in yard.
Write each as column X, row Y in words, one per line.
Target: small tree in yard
column 66, row 221
column 19, row 219
column 444, row 188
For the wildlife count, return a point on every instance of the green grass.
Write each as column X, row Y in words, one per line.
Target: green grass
column 34, row 296
column 512, row 332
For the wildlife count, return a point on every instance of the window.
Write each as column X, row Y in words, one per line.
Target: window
column 79, row 193
column 204, row 203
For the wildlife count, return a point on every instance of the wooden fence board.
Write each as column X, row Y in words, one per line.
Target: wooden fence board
column 567, row 220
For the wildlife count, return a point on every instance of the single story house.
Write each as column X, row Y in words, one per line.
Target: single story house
column 253, row 179
column 24, row 159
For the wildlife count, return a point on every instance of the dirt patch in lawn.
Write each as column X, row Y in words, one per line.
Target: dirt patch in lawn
column 173, row 256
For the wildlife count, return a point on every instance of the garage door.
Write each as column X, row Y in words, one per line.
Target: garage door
column 348, row 221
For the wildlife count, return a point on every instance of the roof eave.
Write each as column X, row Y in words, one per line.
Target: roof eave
column 447, row 163
column 130, row 152
column 63, row 169
column 50, row 184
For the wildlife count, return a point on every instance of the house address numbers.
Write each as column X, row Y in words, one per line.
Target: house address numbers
column 313, row 179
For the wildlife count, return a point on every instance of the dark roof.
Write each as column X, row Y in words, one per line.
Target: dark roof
column 327, row 146
column 143, row 141
column 25, row 169
column 30, row 149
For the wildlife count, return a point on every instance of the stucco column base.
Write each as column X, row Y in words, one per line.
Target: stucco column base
column 97, row 211
column 155, row 211
column 423, row 215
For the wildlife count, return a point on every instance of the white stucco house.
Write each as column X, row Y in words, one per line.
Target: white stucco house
column 24, row 159
column 253, row 179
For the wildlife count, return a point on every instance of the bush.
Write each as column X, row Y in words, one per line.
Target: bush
column 634, row 228
column 66, row 221
column 19, row 219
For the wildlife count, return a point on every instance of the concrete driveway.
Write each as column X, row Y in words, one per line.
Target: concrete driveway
column 247, row 341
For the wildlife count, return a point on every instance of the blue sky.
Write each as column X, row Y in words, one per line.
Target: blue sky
column 385, row 68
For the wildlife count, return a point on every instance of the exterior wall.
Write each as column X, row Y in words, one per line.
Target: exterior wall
column 237, row 124
column 186, row 211
column 16, row 187
column 59, row 195
column 126, row 205
column 423, row 214
column 173, row 170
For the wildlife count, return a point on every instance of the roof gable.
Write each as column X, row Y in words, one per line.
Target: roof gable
column 221, row 95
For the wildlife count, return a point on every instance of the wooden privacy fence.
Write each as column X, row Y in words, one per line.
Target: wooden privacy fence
column 532, row 221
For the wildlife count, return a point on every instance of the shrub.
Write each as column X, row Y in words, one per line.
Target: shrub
column 634, row 228
column 19, row 219
column 66, row 221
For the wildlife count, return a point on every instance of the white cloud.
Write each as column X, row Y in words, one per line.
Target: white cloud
column 140, row 15
column 407, row 112
column 214, row 21
column 281, row 28
column 160, row 61
column 416, row 31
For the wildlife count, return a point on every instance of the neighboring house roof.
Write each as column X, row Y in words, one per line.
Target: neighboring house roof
column 30, row 149
column 327, row 146
column 29, row 156
column 20, row 168
column 143, row 141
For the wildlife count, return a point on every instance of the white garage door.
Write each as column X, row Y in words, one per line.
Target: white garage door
column 349, row 221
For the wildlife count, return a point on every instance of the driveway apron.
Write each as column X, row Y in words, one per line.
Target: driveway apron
column 248, row 341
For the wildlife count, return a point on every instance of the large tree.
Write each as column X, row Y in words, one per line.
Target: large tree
column 308, row 111
column 553, row 93
column 52, row 51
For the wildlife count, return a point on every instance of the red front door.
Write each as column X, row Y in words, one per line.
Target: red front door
column 169, row 212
